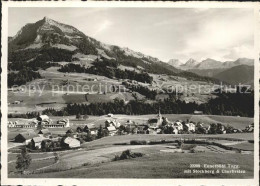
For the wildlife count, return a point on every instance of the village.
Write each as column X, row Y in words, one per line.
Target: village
column 38, row 135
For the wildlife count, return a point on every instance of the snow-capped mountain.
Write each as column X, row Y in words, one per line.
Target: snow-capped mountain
column 208, row 64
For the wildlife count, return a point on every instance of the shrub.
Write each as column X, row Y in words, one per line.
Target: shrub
column 138, row 142
column 127, row 154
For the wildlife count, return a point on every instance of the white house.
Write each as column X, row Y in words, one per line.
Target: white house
column 178, row 125
column 66, row 122
column 72, row 142
column 17, row 102
column 43, row 118
column 37, row 141
column 191, row 127
column 110, row 115
column 175, row 130
column 11, row 124
column 111, row 130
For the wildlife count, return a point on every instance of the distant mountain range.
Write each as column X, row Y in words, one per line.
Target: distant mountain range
column 192, row 64
column 233, row 72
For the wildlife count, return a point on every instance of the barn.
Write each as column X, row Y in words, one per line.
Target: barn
column 25, row 137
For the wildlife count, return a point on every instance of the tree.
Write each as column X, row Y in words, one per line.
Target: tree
column 23, row 161
column 85, row 117
column 213, row 128
column 56, row 157
column 100, row 132
column 79, row 129
column 78, row 116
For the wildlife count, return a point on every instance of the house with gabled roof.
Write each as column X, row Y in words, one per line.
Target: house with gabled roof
column 70, row 142
column 37, row 141
column 44, row 133
column 112, row 130
column 25, row 137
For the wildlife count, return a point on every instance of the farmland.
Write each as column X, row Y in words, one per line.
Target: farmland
column 95, row 158
column 156, row 163
column 56, row 89
column 166, row 165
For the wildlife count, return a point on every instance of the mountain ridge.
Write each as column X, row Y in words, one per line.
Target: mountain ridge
column 192, row 65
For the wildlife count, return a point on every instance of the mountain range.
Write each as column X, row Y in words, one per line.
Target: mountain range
column 48, row 40
column 233, row 72
column 209, row 63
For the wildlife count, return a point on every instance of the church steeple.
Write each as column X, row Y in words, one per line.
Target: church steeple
column 159, row 114
column 159, row 118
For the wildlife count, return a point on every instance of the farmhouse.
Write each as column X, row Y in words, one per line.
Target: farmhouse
column 17, row 102
column 112, row 130
column 178, row 125
column 71, row 133
column 110, row 115
column 90, row 128
column 112, row 123
column 250, row 128
column 64, row 122
column 44, row 133
column 43, row 118
column 71, row 142
column 152, row 130
column 25, row 137
column 198, row 112
column 175, row 130
column 189, row 127
column 142, row 129
column 129, row 122
column 131, row 129
column 11, row 124
column 37, row 141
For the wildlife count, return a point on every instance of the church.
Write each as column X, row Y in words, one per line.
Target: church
column 156, row 121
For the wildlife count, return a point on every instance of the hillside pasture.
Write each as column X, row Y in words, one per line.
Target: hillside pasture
column 159, row 165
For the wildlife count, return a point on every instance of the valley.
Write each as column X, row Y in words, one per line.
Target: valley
column 81, row 108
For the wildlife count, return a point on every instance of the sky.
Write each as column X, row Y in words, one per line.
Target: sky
column 166, row 33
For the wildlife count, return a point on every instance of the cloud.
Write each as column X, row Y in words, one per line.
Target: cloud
column 102, row 27
column 183, row 33
column 239, row 52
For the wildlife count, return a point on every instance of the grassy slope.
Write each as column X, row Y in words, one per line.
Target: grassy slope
column 161, row 165
column 110, row 140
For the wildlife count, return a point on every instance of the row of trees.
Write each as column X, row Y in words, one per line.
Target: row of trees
column 35, row 59
column 27, row 115
column 226, row 104
column 22, row 77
